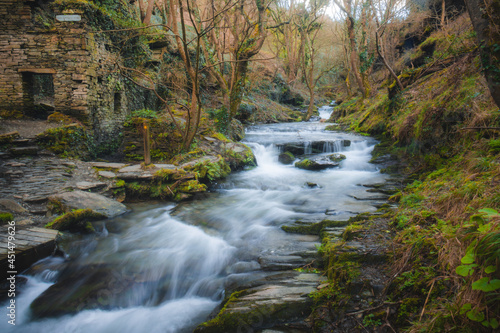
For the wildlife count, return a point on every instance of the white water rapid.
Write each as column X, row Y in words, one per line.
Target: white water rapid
column 165, row 267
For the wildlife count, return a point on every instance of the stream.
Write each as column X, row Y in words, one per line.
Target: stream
column 165, row 267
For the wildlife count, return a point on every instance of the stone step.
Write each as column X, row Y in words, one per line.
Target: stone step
column 22, row 142
column 23, row 151
column 30, row 245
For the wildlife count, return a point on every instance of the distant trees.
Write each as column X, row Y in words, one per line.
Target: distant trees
column 235, row 33
column 288, row 41
column 309, row 22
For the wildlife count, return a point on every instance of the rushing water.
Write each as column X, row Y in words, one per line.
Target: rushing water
column 164, row 267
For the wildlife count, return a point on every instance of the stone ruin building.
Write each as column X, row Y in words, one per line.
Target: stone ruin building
column 52, row 61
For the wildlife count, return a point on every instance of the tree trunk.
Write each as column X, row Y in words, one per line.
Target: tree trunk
column 237, row 87
column 149, row 12
column 485, row 20
column 142, row 10
column 353, row 56
column 310, row 108
column 386, row 64
column 443, row 12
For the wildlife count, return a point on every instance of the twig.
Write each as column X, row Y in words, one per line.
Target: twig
column 480, row 128
column 371, row 309
column 426, row 300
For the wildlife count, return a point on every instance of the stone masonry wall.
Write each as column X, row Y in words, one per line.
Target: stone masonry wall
column 35, row 46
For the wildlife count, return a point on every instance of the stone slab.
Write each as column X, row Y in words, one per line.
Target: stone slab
column 82, row 200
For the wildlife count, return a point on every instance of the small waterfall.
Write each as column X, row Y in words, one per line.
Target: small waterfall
column 307, row 148
column 333, row 146
column 325, row 112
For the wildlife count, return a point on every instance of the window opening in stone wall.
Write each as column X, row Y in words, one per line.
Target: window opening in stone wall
column 38, row 94
column 118, row 102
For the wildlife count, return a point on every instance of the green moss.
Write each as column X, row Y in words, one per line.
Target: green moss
column 305, row 164
column 5, row 218
column 408, row 311
column 192, row 186
column 314, row 228
column 286, row 157
column 351, row 231
column 78, row 220
column 238, row 160
column 210, row 171
column 494, row 145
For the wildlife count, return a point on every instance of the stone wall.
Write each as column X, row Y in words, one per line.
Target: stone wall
column 47, row 65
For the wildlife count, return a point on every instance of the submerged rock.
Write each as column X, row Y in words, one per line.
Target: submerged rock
column 98, row 288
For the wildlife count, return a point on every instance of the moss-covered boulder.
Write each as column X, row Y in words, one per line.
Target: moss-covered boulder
column 76, row 221
column 238, row 156
column 69, row 201
column 286, row 158
column 337, row 157
column 318, row 163
column 265, row 306
column 245, row 112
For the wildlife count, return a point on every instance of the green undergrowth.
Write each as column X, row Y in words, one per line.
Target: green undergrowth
column 442, row 127
column 5, row 218
column 75, row 141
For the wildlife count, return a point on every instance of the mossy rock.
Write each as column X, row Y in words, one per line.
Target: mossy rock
column 260, row 307
column 8, row 137
column 305, row 164
column 192, row 186
column 5, row 218
column 314, row 228
column 336, row 157
column 58, row 117
column 319, row 163
column 76, row 221
column 334, row 127
column 286, row 158
column 11, row 114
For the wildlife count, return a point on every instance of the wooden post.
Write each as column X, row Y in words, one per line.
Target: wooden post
column 147, row 143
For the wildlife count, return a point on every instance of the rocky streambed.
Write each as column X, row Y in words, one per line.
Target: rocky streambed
column 224, row 260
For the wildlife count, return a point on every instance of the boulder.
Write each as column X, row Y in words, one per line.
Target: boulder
column 318, row 163
column 265, row 306
column 12, row 206
column 336, row 157
column 291, row 97
column 67, row 201
column 98, row 287
column 245, row 111
column 286, row 158
column 237, row 130
column 76, row 221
